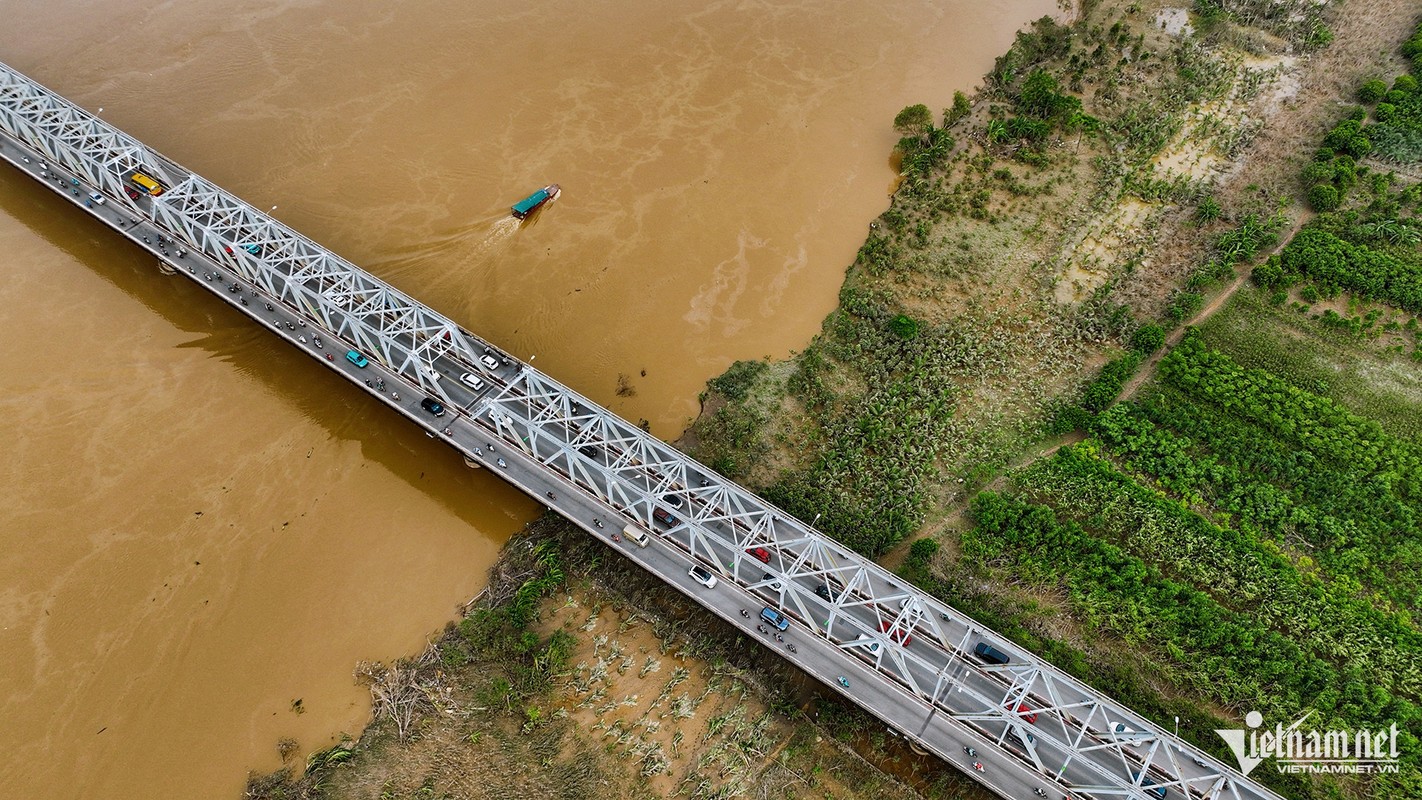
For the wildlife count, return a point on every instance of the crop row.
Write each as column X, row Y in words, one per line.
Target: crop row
column 1352, row 525
column 1233, row 656
column 1336, row 264
column 1301, row 418
column 1328, row 621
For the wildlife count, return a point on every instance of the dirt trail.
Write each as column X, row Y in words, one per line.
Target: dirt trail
column 1147, row 370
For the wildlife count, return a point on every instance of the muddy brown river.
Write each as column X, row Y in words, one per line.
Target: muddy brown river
column 198, row 527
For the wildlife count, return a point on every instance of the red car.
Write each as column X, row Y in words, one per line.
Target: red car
column 760, row 553
column 1026, row 713
column 132, row 194
column 900, row 635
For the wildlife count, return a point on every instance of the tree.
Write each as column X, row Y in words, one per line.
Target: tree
column 915, row 120
column 961, row 108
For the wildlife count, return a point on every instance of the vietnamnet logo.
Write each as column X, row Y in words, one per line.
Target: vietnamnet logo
column 1298, row 750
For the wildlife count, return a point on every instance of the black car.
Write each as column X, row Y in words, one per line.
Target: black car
column 824, row 590
column 990, row 654
column 588, row 450
column 433, row 406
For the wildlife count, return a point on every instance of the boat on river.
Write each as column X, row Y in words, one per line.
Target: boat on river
column 533, row 202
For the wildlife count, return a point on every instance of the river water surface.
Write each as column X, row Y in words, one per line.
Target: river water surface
column 198, row 527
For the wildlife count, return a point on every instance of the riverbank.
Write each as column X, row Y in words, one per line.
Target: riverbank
column 576, row 675
column 1115, row 182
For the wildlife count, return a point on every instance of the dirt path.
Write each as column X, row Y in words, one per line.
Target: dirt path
column 1147, row 370
column 1329, row 79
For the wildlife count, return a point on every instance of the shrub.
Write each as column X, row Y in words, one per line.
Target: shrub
column 1318, row 172
column 1147, row 339
column 1413, row 47
column 735, row 383
column 1358, row 146
column 1405, row 83
column 1042, row 98
column 961, row 108
column 1323, row 197
column 1104, row 389
column 1269, row 274
column 1386, row 112
column 1341, row 134
column 904, row 327
column 923, row 550
column 1371, row 91
column 1184, row 305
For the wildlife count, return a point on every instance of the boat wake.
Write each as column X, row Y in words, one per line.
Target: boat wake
column 503, row 229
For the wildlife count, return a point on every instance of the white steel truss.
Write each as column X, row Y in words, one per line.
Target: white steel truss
column 851, row 601
column 836, row 594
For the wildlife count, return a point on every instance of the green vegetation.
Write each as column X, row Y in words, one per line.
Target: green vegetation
column 1334, row 264
column 1397, row 135
column 735, row 383
column 1290, row 464
column 1256, row 542
column 1245, row 534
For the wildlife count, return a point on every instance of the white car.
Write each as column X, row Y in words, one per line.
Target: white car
column 870, row 643
column 703, row 576
column 97, row 198
column 1123, row 732
column 489, row 361
column 472, row 381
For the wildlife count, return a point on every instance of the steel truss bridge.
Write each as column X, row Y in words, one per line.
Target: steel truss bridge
column 910, row 656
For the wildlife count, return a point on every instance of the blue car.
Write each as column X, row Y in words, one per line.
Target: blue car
column 776, row 619
column 357, row 359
